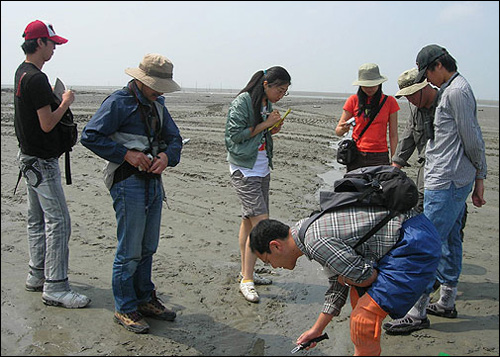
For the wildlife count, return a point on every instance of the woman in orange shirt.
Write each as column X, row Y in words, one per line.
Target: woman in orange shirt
column 372, row 147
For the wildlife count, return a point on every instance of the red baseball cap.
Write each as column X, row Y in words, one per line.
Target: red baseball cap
column 37, row 29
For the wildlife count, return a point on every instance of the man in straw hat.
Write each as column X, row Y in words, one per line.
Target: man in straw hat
column 135, row 133
column 455, row 166
column 419, row 126
column 37, row 114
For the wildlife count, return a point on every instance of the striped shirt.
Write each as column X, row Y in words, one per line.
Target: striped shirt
column 329, row 241
column 457, row 152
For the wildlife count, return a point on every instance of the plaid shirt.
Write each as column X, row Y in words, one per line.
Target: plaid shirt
column 329, row 241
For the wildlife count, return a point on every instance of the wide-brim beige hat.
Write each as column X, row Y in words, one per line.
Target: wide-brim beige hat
column 155, row 71
column 407, row 83
column 369, row 76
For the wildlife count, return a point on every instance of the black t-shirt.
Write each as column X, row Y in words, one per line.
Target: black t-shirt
column 32, row 92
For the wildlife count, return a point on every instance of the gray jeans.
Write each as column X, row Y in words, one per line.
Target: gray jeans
column 49, row 224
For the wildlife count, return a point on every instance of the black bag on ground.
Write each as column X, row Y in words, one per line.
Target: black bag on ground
column 384, row 185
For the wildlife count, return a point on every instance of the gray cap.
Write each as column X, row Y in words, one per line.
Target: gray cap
column 426, row 56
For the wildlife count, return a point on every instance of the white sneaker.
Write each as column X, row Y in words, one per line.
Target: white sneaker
column 67, row 299
column 33, row 283
column 249, row 292
column 259, row 280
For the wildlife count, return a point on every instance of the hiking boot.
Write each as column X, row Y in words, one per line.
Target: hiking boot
column 68, row 299
column 259, row 280
column 132, row 321
column 33, row 283
column 155, row 309
column 437, row 310
column 249, row 292
column 406, row 325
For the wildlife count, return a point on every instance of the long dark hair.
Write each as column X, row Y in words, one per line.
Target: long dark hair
column 368, row 108
column 275, row 76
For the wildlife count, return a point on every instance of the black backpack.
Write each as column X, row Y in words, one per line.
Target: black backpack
column 383, row 185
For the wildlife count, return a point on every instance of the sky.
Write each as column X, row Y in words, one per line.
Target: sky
column 220, row 45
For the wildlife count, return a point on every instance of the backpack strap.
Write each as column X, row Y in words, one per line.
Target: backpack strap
column 307, row 223
column 329, row 201
column 375, row 229
column 67, row 168
column 18, row 179
column 368, row 235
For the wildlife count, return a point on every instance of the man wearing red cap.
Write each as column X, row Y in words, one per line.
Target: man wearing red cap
column 37, row 112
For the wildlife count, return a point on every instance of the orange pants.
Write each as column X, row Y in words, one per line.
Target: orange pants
column 366, row 324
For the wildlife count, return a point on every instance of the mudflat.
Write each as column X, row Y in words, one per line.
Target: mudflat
column 196, row 267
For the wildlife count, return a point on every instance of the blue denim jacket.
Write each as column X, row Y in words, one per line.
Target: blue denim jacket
column 119, row 115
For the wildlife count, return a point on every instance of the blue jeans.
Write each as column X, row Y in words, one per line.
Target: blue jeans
column 137, row 203
column 49, row 223
column 446, row 209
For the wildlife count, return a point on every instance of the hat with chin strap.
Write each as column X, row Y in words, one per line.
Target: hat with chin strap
column 155, row 71
column 407, row 83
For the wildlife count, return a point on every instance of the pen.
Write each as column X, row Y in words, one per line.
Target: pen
column 308, row 343
column 281, row 121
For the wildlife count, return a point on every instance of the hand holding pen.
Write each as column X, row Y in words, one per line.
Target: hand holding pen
column 308, row 343
column 281, row 120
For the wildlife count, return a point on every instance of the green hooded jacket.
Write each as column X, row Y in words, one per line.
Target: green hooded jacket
column 242, row 149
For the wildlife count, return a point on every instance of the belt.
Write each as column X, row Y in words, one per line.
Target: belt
column 126, row 170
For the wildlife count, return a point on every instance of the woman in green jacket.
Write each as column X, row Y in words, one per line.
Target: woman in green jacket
column 251, row 122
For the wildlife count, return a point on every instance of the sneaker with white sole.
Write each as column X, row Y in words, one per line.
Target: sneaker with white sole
column 259, row 280
column 406, row 325
column 33, row 283
column 438, row 310
column 68, row 299
column 249, row 292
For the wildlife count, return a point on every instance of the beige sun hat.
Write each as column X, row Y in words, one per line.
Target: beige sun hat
column 407, row 83
column 155, row 71
column 369, row 76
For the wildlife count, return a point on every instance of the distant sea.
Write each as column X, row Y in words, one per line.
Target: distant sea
column 300, row 94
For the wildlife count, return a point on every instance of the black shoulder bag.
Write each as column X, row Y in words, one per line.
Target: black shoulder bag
column 67, row 135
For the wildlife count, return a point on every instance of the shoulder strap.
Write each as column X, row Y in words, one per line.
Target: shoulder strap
column 18, row 179
column 18, row 91
column 67, row 168
column 330, row 201
column 372, row 119
column 368, row 235
column 375, row 229
column 307, row 223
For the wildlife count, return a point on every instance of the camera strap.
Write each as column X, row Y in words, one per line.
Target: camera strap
column 152, row 122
